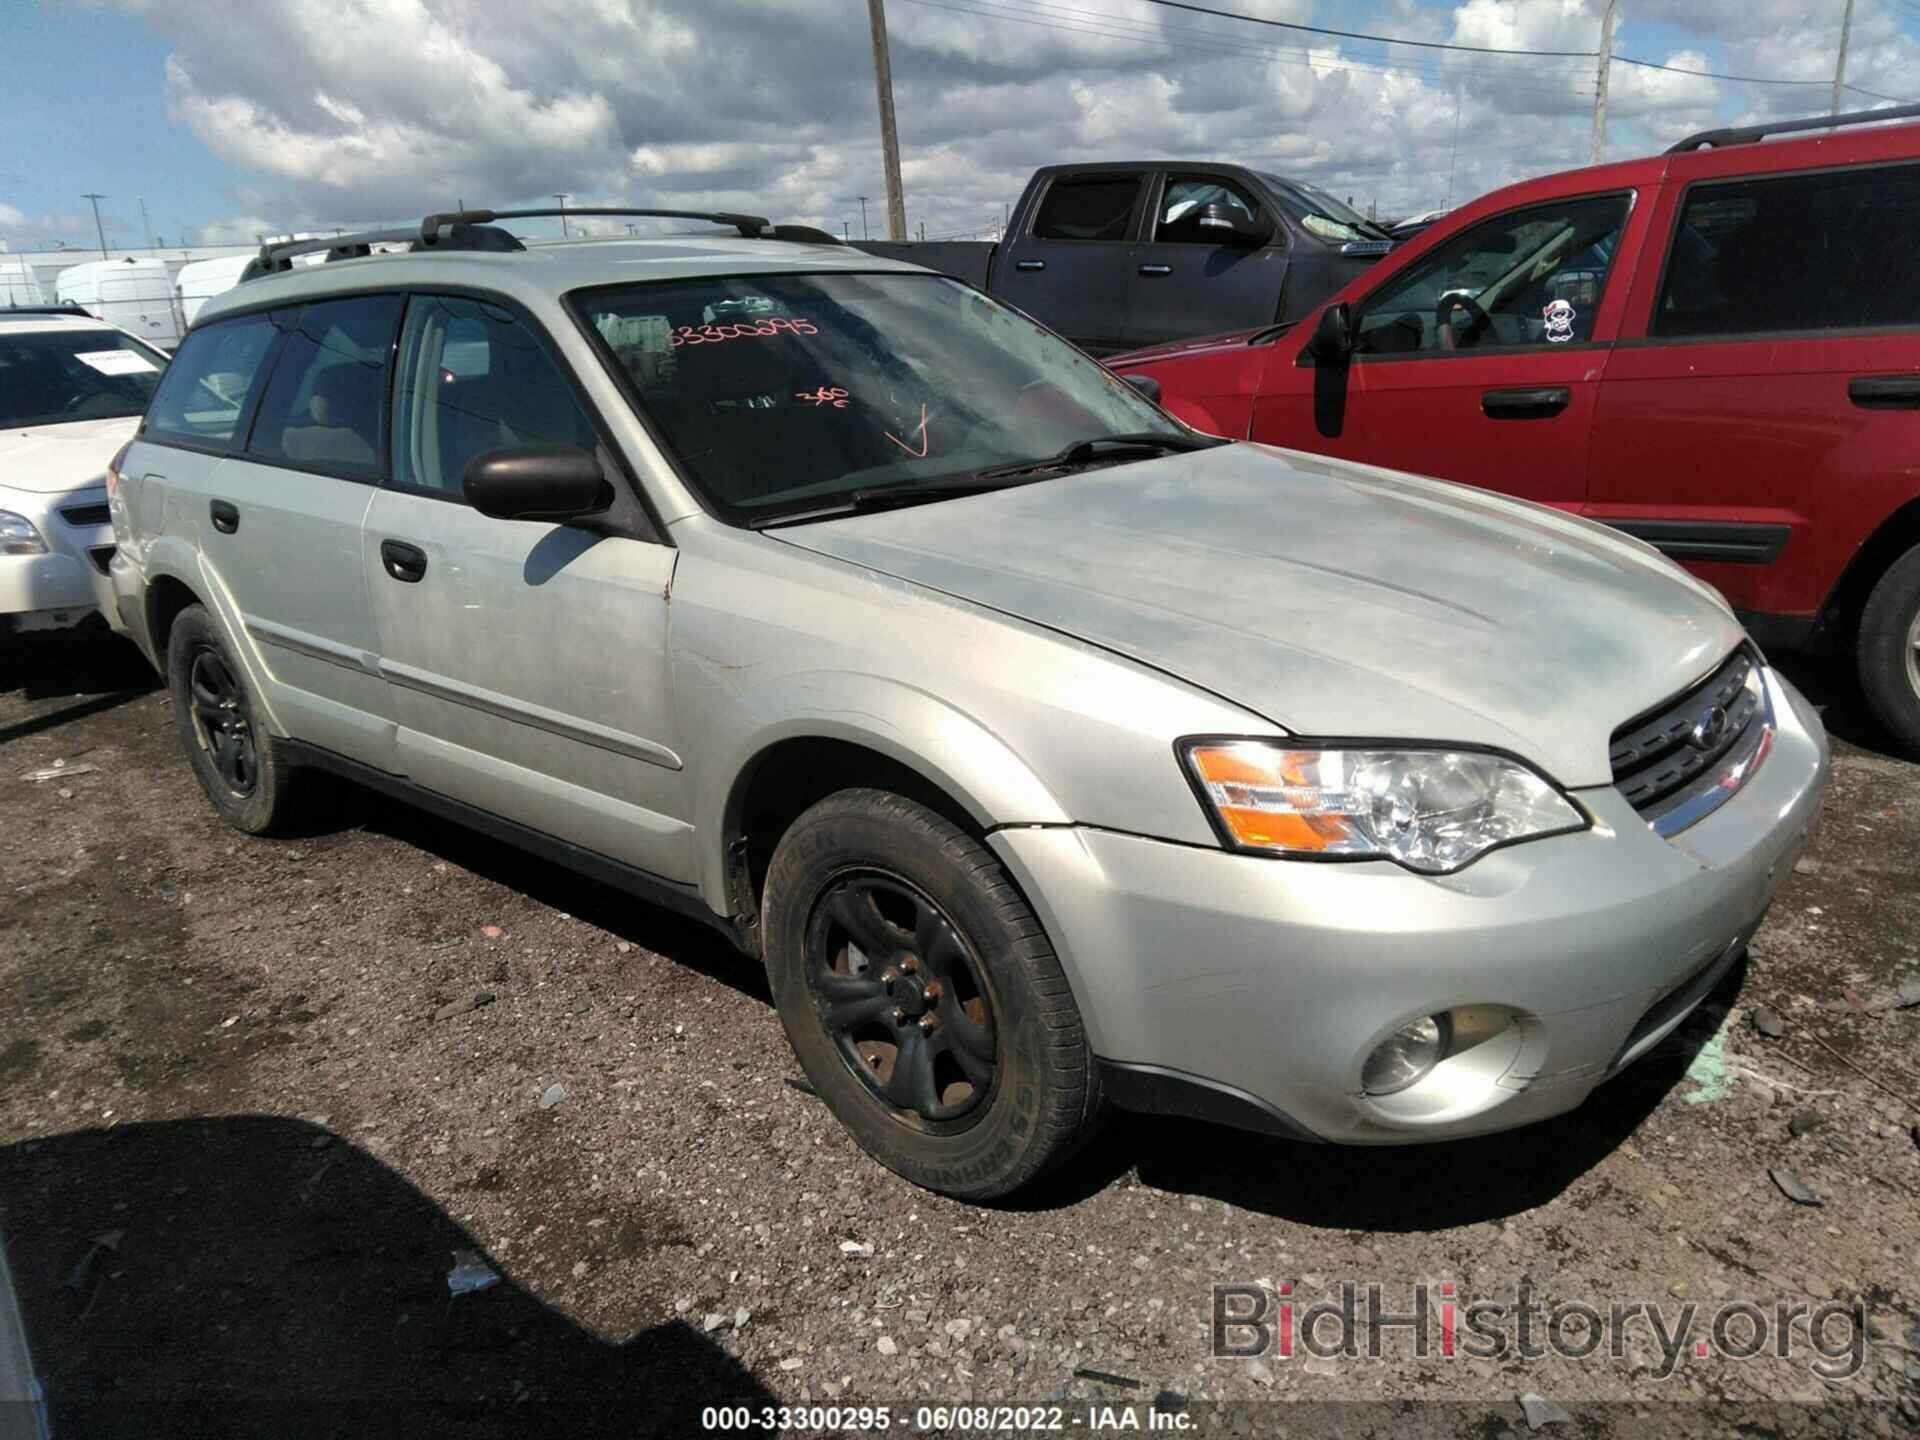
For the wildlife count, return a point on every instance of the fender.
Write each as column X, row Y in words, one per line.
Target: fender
column 174, row 558
column 915, row 729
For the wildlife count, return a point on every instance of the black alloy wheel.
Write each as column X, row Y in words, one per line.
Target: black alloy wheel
column 222, row 720
column 903, row 998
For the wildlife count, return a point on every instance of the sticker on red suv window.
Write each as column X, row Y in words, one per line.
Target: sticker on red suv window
column 1559, row 317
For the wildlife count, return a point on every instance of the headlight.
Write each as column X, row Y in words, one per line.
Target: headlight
column 18, row 537
column 1430, row 810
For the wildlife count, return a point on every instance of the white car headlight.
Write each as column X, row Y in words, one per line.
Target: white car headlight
column 1430, row 810
column 18, row 537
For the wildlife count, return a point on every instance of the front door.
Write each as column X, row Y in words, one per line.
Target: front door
column 1187, row 281
column 1072, row 268
column 526, row 660
column 1479, row 364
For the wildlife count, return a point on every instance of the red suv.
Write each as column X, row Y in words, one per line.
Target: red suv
column 1716, row 349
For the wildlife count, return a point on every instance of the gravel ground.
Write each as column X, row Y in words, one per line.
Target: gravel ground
column 254, row 1095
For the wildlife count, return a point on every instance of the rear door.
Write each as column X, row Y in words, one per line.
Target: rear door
column 1765, row 412
column 1072, row 268
column 1185, row 281
column 526, row 661
column 282, row 523
column 1480, row 362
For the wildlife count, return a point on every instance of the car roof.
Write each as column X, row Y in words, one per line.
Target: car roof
column 26, row 317
column 544, row 271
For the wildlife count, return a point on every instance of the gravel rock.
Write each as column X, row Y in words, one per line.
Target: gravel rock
column 1794, row 1188
column 552, row 1096
column 1768, row 1022
column 1541, row 1412
column 1805, row 1121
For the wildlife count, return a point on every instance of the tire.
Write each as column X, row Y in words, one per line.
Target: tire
column 950, row 1045
column 1889, row 649
column 239, row 765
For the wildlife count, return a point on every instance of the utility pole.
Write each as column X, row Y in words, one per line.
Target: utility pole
column 146, row 224
column 97, row 228
column 889, row 136
column 1840, row 65
column 1600, row 82
column 563, row 196
column 1454, row 163
column 865, row 234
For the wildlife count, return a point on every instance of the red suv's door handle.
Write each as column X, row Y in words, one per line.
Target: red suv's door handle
column 1524, row 404
column 1885, row 392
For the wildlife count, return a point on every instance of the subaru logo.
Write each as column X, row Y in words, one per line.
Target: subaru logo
column 1709, row 730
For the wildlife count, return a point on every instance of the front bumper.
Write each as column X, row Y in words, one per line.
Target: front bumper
column 67, row 584
column 1267, row 982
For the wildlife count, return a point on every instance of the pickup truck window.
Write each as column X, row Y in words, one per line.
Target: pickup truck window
column 1322, row 215
column 1529, row 277
column 1795, row 252
column 784, row 393
column 1183, row 203
column 1088, row 207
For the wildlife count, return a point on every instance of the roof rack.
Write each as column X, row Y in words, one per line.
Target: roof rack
column 476, row 230
column 1741, row 135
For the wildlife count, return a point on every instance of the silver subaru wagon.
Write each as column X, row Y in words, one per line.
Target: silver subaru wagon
column 1049, row 754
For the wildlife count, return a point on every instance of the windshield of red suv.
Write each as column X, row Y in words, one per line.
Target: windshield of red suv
column 49, row 377
column 779, row 393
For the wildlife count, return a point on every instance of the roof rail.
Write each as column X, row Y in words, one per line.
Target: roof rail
column 751, row 226
column 1741, row 135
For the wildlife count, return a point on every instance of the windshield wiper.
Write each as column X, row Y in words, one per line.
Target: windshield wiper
column 893, row 497
column 1081, row 451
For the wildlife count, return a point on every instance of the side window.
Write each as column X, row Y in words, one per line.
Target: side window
column 203, row 392
column 1795, row 252
column 1184, row 217
column 1530, row 277
column 1088, row 207
column 326, row 401
column 474, row 379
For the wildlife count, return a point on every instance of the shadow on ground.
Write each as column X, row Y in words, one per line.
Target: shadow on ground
column 338, row 1267
column 1833, row 685
column 67, row 675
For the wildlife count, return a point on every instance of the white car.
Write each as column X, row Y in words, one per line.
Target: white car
column 72, row 390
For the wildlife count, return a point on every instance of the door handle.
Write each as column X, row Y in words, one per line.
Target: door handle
column 1885, row 392
column 1525, row 404
column 1029, row 264
column 405, row 563
column 225, row 516
column 1156, row 269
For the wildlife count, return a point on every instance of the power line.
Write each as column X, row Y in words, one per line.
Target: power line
column 1377, row 39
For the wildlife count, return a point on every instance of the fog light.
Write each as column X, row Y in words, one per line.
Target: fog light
column 1405, row 1056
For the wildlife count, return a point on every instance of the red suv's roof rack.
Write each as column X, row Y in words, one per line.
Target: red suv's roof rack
column 1741, row 135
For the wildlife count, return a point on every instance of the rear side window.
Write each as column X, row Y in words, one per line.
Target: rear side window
column 1088, row 207
column 1794, row 252
column 204, row 392
column 325, row 407
column 474, row 379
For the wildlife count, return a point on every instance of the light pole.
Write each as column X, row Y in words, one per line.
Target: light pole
column 563, row 196
column 97, row 227
column 864, row 234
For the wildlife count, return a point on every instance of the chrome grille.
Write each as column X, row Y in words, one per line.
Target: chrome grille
column 1680, row 761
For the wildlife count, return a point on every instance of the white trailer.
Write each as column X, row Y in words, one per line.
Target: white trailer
column 200, row 280
column 17, row 283
column 135, row 294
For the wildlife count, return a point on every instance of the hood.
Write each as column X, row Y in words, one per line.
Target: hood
column 1232, row 340
column 48, row 459
column 1332, row 599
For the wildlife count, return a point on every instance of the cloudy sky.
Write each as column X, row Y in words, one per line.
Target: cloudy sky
column 234, row 117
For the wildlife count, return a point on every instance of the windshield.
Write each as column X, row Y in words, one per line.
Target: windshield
column 1321, row 214
column 787, row 393
column 48, row 377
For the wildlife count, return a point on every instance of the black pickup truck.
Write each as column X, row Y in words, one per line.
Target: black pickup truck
column 1124, row 254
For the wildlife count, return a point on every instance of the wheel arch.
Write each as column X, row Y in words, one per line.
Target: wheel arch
column 1892, row 538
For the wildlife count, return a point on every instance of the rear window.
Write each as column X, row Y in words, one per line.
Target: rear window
column 325, row 408
column 1794, row 252
column 1088, row 208
column 204, row 393
column 51, row 377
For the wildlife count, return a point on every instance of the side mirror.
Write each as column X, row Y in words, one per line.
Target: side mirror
column 549, row 482
column 1230, row 226
column 1146, row 385
column 1333, row 333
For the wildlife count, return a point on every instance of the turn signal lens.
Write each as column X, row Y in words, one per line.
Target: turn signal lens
column 1429, row 810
